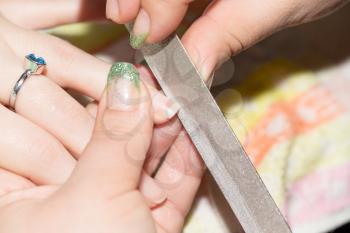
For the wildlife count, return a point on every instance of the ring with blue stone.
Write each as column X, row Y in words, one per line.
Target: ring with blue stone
column 33, row 66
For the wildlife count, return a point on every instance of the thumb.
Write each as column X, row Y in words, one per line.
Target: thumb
column 228, row 27
column 112, row 161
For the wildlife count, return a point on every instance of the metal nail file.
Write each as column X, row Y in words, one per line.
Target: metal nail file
column 214, row 139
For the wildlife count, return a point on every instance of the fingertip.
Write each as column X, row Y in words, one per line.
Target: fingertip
column 121, row 138
column 122, row 11
column 91, row 108
column 207, row 46
column 164, row 108
column 140, row 30
column 125, row 95
column 147, row 77
column 156, row 21
column 165, row 19
column 152, row 191
column 112, row 10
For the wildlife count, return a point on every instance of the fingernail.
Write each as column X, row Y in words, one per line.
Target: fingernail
column 165, row 105
column 154, row 192
column 209, row 81
column 140, row 29
column 206, row 65
column 172, row 108
column 112, row 9
column 205, row 75
column 123, row 87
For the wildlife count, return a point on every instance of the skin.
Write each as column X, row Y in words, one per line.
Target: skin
column 86, row 70
column 51, row 162
column 114, row 165
column 225, row 28
column 34, row 172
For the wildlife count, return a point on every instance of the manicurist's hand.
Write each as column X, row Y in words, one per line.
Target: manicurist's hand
column 102, row 194
column 226, row 27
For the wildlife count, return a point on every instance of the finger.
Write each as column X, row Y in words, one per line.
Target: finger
column 68, row 66
column 180, row 176
column 228, row 27
column 72, row 68
column 31, row 152
column 163, row 134
column 82, row 126
column 40, row 14
column 156, row 20
column 165, row 17
column 34, row 193
column 92, row 109
column 151, row 190
column 148, row 77
column 39, row 99
column 71, row 123
column 164, row 108
column 121, row 137
column 122, row 11
column 163, row 137
column 10, row 182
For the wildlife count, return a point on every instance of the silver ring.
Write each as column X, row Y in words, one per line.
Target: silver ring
column 34, row 66
column 17, row 88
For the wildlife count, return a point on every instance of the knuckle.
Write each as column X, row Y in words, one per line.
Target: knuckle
column 47, row 156
column 42, row 154
column 66, row 54
column 114, row 124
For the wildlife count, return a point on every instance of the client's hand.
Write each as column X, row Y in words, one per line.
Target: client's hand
column 102, row 194
column 44, row 105
column 40, row 143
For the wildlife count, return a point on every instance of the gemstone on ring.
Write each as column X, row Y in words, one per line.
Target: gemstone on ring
column 35, row 64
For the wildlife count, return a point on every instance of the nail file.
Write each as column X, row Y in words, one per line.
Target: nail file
column 217, row 144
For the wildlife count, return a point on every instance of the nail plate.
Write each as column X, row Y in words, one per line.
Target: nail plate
column 172, row 109
column 112, row 9
column 164, row 106
column 123, row 87
column 154, row 192
column 140, row 30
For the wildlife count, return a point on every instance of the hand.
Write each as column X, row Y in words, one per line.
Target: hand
column 42, row 141
column 86, row 70
column 102, row 193
column 226, row 27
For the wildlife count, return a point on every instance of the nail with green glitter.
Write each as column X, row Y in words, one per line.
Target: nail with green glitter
column 140, row 29
column 123, row 87
column 138, row 41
